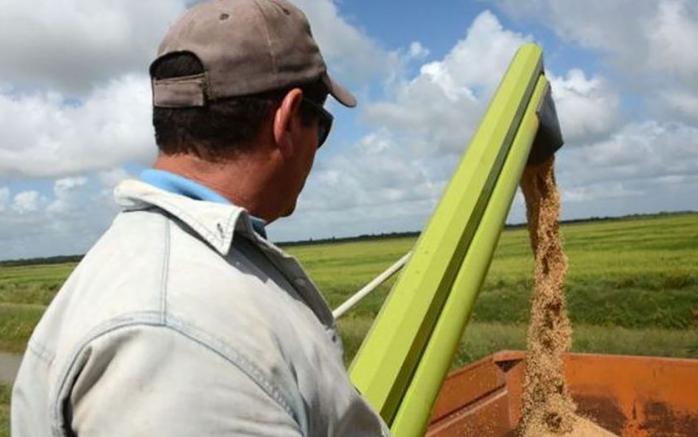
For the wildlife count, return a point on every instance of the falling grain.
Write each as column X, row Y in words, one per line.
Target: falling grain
column 548, row 408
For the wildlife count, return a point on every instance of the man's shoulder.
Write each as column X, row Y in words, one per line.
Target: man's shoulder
column 150, row 262
column 149, row 267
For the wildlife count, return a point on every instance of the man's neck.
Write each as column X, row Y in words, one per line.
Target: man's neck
column 246, row 182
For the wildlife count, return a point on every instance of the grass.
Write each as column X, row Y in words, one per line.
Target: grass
column 5, row 394
column 484, row 338
column 651, row 283
column 635, row 274
column 25, row 291
column 632, row 288
column 36, row 284
column 17, row 321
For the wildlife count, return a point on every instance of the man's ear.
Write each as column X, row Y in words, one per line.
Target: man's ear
column 286, row 121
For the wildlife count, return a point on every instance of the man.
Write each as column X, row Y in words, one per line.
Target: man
column 183, row 320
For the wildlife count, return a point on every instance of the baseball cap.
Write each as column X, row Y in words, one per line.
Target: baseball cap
column 246, row 47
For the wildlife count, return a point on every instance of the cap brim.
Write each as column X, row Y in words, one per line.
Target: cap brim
column 339, row 92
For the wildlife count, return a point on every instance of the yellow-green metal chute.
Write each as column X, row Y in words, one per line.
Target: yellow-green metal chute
column 404, row 359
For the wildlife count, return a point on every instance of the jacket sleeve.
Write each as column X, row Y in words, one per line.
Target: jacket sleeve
column 155, row 381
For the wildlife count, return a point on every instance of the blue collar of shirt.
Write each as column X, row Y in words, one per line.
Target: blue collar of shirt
column 177, row 184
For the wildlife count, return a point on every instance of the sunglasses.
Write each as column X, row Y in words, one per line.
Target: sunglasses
column 324, row 121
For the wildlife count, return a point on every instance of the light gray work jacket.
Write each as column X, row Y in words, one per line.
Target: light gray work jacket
column 182, row 321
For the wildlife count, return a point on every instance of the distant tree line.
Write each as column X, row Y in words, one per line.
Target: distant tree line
column 381, row 236
column 595, row 219
column 48, row 260
column 363, row 237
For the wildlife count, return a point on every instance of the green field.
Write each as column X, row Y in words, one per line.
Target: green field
column 5, row 392
column 632, row 288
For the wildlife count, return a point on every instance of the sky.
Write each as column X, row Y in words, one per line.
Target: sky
column 75, row 109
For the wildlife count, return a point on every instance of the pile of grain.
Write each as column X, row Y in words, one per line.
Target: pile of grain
column 548, row 409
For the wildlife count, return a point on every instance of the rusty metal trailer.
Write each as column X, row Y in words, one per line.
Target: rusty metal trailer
column 630, row 396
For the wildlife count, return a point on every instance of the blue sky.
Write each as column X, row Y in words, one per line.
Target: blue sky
column 74, row 123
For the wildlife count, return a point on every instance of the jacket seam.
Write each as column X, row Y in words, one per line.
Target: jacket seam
column 111, row 325
column 237, row 359
column 186, row 330
column 164, row 280
column 40, row 351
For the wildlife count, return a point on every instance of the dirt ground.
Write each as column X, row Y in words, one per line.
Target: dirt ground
column 9, row 363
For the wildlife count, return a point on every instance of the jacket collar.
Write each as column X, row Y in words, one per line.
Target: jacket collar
column 215, row 223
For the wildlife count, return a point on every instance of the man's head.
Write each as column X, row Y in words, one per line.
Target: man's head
column 236, row 78
column 225, row 127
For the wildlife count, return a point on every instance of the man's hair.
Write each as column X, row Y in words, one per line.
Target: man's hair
column 221, row 128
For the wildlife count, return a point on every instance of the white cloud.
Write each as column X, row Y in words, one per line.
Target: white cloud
column 75, row 100
column 479, row 60
column 69, row 46
column 64, row 191
column 48, row 132
column 387, row 175
column 397, row 173
column 596, row 24
column 4, row 198
column 682, row 104
column 439, row 109
column 348, row 51
column 391, row 178
column 64, row 221
column 44, row 137
column 587, row 108
column 672, row 36
column 67, row 184
column 587, row 193
column 649, row 43
column 417, row 51
column 26, row 202
column 111, row 178
column 637, row 35
column 639, row 151
column 376, row 186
